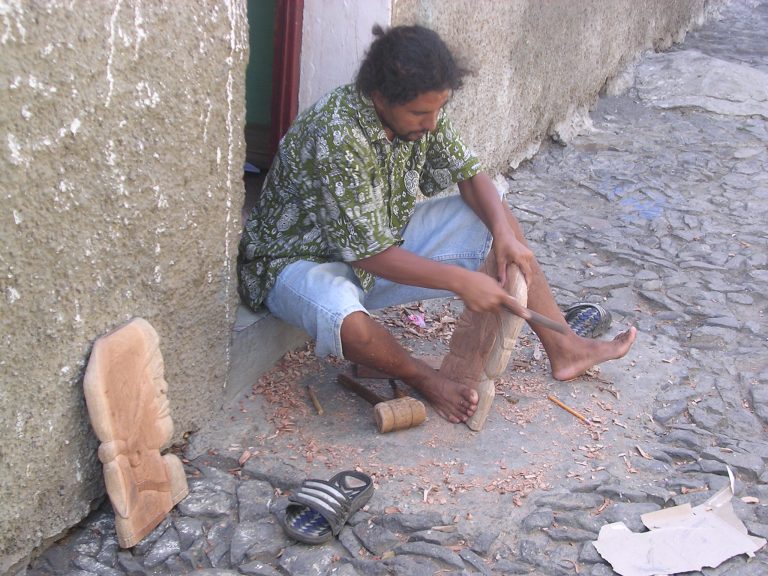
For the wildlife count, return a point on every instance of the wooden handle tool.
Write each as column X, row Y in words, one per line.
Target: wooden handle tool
column 532, row 316
column 397, row 414
column 359, row 389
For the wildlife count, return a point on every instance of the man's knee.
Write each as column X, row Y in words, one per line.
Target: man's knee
column 356, row 328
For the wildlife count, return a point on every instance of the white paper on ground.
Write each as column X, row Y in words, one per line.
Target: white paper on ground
column 680, row 539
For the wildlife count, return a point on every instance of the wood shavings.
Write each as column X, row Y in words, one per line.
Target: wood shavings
column 686, row 490
column 594, row 452
column 628, row 464
column 643, row 453
column 519, row 483
column 280, row 387
column 436, row 326
column 606, row 406
column 606, row 502
column 610, row 390
column 244, row 457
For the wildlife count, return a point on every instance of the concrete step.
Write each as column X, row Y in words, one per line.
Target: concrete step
column 258, row 341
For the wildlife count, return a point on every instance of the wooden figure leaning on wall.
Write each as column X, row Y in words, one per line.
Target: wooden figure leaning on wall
column 125, row 391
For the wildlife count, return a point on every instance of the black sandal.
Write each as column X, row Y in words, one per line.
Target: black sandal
column 320, row 508
column 587, row 319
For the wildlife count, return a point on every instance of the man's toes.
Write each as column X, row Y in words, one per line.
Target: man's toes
column 470, row 394
column 628, row 334
column 447, row 416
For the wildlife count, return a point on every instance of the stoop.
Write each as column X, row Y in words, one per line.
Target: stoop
column 258, row 341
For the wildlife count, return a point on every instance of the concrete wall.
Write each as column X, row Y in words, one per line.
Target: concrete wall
column 540, row 64
column 121, row 157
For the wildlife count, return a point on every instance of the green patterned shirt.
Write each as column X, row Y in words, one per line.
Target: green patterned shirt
column 338, row 190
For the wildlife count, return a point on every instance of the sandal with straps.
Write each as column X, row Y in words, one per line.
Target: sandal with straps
column 320, row 508
column 588, row 319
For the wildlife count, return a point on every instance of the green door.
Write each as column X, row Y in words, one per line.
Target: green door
column 258, row 82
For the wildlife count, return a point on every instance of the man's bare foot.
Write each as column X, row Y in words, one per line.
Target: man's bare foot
column 368, row 343
column 586, row 353
column 454, row 402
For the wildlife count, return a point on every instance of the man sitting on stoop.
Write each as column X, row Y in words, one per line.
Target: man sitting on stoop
column 337, row 231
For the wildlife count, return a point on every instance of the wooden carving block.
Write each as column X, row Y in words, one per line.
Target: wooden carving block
column 125, row 391
column 482, row 345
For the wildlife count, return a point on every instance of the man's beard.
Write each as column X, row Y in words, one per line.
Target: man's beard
column 408, row 136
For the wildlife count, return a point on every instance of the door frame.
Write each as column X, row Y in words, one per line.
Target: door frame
column 286, row 68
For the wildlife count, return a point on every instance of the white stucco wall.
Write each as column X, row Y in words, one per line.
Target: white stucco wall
column 539, row 65
column 336, row 34
column 528, row 83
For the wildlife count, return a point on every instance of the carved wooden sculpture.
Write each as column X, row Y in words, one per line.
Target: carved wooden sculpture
column 126, row 396
column 482, row 344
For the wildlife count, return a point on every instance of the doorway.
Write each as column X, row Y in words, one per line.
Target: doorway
column 271, row 87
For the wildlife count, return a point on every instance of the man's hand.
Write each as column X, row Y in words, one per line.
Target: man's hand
column 482, row 293
column 509, row 250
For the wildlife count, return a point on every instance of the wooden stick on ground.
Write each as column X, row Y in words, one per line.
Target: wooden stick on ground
column 569, row 410
column 315, row 401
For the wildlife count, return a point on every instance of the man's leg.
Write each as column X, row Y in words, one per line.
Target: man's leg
column 570, row 355
column 368, row 343
column 437, row 232
column 448, row 231
column 325, row 300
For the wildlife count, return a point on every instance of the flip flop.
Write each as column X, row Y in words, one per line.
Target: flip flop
column 588, row 319
column 320, row 508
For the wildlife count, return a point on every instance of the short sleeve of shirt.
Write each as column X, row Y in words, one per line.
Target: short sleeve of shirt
column 448, row 160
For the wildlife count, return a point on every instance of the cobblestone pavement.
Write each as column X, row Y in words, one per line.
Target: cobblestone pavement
column 660, row 214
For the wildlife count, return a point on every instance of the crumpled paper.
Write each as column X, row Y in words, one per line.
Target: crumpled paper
column 680, row 539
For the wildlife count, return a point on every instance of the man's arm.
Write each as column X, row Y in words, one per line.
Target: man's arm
column 479, row 291
column 481, row 196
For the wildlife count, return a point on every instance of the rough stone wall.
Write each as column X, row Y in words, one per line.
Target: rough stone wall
column 121, row 157
column 540, row 65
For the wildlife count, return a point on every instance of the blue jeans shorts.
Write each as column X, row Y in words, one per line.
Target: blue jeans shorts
column 318, row 296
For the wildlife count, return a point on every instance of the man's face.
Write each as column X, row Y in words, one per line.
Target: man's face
column 412, row 120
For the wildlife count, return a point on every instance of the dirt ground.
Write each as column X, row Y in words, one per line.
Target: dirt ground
column 528, row 442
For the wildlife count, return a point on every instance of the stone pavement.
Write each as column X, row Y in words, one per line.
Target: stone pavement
column 660, row 214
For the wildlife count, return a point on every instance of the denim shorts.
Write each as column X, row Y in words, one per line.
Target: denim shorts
column 318, row 296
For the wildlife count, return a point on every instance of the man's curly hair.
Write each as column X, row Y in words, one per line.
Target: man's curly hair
column 405, row 62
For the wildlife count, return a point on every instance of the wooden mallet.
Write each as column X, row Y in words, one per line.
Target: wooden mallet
column 396, row 414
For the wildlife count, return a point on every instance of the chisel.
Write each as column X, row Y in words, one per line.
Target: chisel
column 529, row 315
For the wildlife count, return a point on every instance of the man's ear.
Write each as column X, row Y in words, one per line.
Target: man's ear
column 378, row 99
